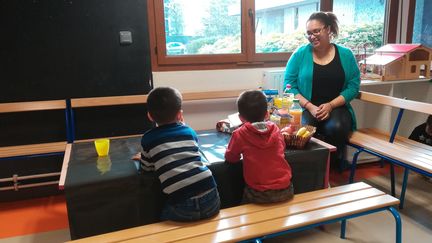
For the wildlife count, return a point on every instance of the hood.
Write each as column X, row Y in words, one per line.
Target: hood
column 260, row 134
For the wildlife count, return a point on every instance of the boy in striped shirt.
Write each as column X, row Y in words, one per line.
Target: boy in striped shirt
column 171, row 149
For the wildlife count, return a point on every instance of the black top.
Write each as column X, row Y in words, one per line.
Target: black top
column 328, row 80
column 419, row 134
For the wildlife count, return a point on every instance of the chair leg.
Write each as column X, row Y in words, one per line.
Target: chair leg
column 354, row 165
column 398, row 224
column 403, row 190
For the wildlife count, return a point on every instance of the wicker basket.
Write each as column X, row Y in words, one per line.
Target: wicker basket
column 299, row 142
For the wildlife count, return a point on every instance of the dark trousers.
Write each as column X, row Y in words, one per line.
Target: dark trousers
column 335, row 131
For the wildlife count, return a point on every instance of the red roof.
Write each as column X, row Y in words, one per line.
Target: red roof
column 404, row 48
column 382, row 59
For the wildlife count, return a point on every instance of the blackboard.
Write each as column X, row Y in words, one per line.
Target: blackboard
column 57, row 49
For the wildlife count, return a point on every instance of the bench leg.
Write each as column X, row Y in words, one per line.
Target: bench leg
column 343, row 221
column 343, row 228
column 354, row 165
column 398, row 224
column 382, row 163
column 392, row 180
column 404, row 186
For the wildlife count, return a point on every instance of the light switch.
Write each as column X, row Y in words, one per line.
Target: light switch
column 125, row 37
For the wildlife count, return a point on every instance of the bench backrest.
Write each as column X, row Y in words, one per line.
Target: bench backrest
column 396, row 102
column 142, row 99
column 402, row 104
column 134, row 102
column 32, row 106
column 13, row 111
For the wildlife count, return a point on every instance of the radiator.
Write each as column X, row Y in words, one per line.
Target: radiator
column 273, row 79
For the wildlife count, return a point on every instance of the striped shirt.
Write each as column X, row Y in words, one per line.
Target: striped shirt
column 172, row 151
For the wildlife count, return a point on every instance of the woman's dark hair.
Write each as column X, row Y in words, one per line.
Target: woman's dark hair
column 329, row 19
column 252, row 106
column 163, row 104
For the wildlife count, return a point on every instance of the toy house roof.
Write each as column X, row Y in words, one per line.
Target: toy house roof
column 398, row 48
column 382, row 58
column 390, row 53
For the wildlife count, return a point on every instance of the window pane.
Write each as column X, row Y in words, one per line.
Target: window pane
column 194, row 27
column 423, row 23
column 361, row 23
column 280, row 24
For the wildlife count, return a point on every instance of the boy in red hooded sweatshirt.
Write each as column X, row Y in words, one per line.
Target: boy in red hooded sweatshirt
column 266, row 172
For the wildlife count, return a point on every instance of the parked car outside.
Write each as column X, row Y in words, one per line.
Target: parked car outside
column 175, row 48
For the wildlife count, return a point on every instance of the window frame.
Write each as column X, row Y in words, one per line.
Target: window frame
column 247, row 58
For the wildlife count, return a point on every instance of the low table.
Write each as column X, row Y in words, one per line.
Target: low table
column 104, row 194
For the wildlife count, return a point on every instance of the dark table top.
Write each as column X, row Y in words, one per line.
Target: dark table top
column 85, row 167
column 213, row 145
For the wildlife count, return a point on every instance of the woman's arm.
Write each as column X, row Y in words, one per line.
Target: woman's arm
column 292, row 71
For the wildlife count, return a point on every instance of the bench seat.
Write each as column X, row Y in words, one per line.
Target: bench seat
column 399, row 140
column 402, row 149
column 253, row 221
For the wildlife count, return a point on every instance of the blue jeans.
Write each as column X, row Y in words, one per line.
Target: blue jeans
column 193, row 209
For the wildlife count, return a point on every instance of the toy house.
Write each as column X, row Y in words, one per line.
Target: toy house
column 397, row 62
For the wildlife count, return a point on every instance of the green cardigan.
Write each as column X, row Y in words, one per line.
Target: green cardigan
column 299, row 73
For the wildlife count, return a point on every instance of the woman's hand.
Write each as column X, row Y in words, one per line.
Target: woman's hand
column 323, row 111
column 312, row 109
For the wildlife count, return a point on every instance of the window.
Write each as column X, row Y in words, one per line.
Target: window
column 422, row 32
column 361, row 24
column 197, row 34
column 203, row 27
column 280, row 25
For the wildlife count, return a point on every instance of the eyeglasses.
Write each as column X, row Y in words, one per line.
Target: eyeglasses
column 315, row 32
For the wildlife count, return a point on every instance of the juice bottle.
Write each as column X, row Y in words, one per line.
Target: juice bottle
column 296, row 114
column 287, row 97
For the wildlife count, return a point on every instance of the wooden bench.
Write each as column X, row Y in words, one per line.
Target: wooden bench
column 392, row 148
column 257, row 222
column 32, row 150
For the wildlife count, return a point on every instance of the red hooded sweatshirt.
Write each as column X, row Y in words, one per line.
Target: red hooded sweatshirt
column 262, row 146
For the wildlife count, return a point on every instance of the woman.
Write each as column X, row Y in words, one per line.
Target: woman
column 325, row 78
